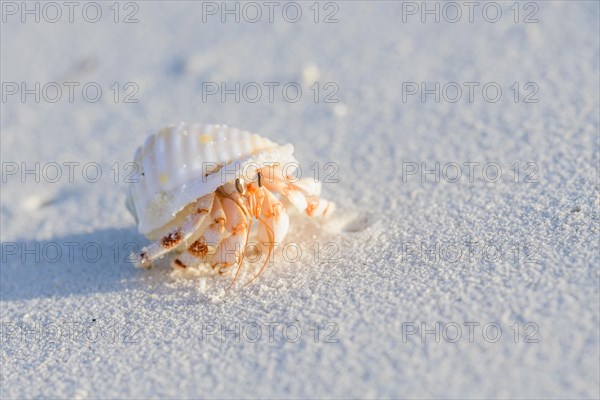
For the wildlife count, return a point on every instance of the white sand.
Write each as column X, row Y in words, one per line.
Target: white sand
column 376, row 289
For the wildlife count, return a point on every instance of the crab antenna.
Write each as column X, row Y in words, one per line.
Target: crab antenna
column 271, row 245
column 237, row 271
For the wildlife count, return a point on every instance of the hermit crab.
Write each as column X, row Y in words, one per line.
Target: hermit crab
column 198, row 189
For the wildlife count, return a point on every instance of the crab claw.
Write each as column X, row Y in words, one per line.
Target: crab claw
column 232, row 249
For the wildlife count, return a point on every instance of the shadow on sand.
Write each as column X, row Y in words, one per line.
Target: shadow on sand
column 80, row 264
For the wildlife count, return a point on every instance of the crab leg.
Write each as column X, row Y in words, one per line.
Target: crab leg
column 319, row 207
column 231, row 250
column 316, row 206
column 177, row 235
column 303, row 194
column 294, row 195
column 207, row 243
column 274, row 226
column 275, row 215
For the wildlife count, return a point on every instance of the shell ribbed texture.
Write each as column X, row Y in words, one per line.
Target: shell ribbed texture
column 173, row 163
column 180, row 154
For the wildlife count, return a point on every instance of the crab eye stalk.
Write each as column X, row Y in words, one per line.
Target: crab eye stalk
column 239, row 186
column 259, row 179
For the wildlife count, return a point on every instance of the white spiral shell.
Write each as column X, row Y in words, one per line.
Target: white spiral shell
column 172, row 167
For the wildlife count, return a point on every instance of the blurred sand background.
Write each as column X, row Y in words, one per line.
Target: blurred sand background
column 103, row 329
